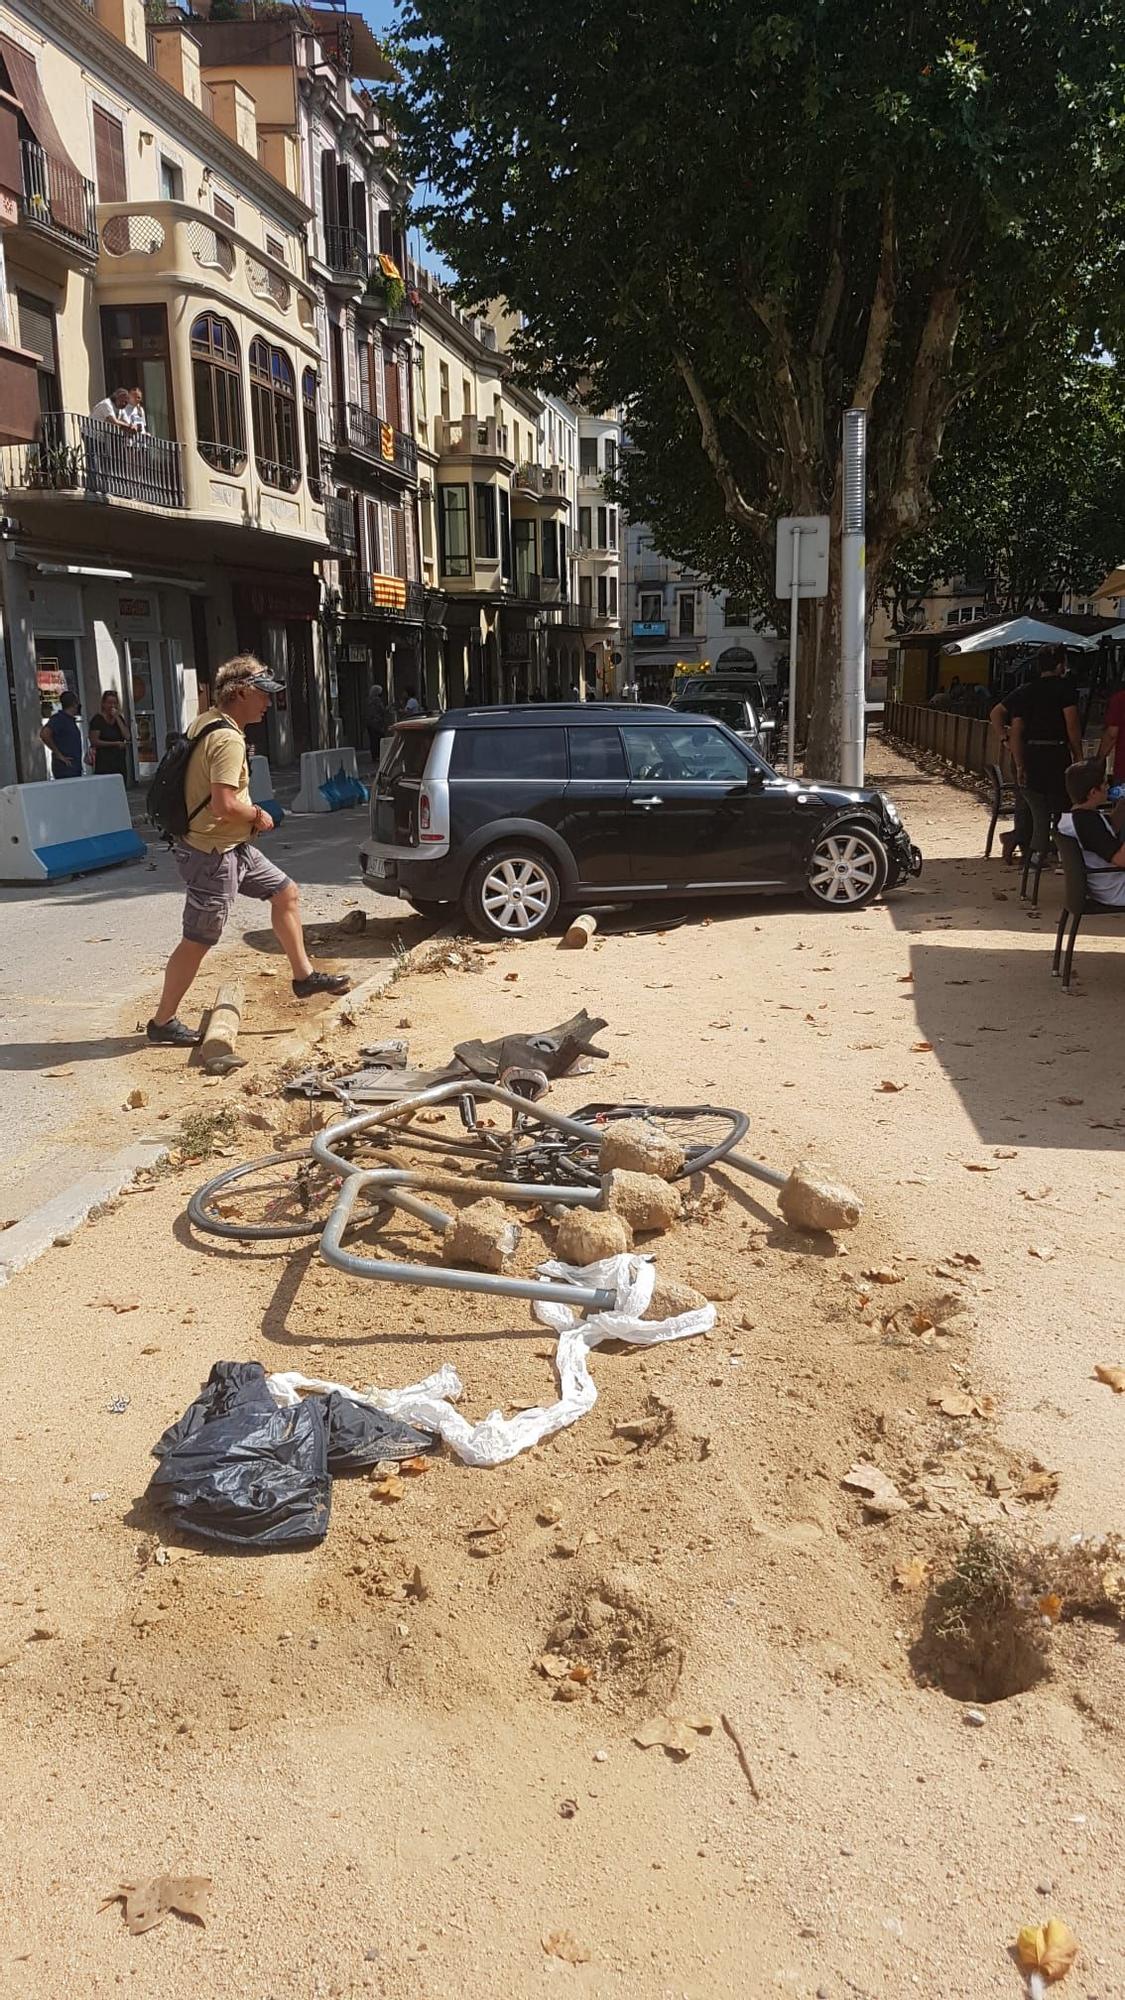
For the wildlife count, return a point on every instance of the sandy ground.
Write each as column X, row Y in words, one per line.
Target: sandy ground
column 386, row 1792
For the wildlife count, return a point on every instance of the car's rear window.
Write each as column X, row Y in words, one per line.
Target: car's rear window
column 407, row 756
column 726, row 708
column 596, row 753
column 508, row 753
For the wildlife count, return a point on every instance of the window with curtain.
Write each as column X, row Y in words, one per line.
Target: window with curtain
column 550, row 537
column 312, row 437
column 216, row 371
column 485, row 502
column 273, row 406
column 453, row 530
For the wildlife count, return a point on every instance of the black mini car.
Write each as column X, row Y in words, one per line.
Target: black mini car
column 510, row 814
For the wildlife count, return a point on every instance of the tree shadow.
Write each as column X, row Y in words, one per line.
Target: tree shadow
column 44, row 1056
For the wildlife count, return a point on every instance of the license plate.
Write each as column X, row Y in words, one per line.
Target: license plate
column 375, row 866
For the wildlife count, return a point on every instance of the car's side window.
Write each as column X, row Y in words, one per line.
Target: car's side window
column 687, row 755
column 596, row 753
column 508, row 753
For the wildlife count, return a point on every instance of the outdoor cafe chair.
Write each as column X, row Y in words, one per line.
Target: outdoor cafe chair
column 1077, row 903
column 1003, row 800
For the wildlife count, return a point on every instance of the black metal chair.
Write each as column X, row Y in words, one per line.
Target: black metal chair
column 1077, row 903
column 1003, row 800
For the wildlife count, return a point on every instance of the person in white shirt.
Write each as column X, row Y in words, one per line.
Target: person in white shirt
column 1097, row 831
column 135, row 411
column 111, row 409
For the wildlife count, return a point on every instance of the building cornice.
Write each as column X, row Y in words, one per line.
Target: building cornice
column 80, row 32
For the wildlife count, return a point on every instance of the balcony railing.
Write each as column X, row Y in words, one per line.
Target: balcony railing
column 364, row 595
column 482, row 437
column 104, row 461
column 339, row 524
column 57, row 198
column 547, row 482
column 346, row 251
column 360, row 430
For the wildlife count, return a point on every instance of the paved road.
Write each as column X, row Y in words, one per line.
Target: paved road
column 76, row 959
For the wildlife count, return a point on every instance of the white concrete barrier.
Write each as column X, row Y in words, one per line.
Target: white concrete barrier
column 319, row 767
column 261, row 788
column 65, row 826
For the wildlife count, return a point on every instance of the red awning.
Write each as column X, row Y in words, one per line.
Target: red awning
column 23, row 74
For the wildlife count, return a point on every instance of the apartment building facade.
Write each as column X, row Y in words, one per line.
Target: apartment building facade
column 600, row 552
column 675, row 622
column 154, row 235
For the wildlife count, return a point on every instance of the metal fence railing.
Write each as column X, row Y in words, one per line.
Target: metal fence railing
column 76, row 454
column 965, row 741
column 364, row 431
column 364, row 594
column 57, row 198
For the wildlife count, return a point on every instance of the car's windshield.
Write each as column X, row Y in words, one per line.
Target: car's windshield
column 726, row 707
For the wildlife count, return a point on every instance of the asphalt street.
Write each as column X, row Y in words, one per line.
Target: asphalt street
column 80, row 970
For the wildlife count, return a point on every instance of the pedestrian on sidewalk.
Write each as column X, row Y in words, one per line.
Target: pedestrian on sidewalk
column 215, row 858
column 375, row 716
column 107, row 738
column 1046, row 737
column 63, row 738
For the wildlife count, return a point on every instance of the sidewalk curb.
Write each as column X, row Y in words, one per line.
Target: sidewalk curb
column 67, row 1211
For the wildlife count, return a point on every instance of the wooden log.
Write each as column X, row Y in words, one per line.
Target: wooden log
column 580, row 932
column 217, row 1051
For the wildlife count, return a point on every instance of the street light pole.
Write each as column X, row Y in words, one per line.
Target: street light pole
column 853, row 610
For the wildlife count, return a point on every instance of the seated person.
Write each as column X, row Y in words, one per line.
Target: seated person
column 1097, row 831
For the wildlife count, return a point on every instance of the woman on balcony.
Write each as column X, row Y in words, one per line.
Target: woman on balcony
column 108, row 739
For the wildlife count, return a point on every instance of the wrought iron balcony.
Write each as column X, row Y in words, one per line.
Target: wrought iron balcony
column 346, row 252
column 367, row 595
column 57, row 199
column 361, row 431
column 105, row 461
column 339, row 523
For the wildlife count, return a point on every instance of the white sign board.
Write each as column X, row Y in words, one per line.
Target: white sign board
column 805, row 535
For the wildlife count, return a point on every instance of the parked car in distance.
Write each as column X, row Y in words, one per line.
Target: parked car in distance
column 730, row 705
column 506, row 815
column 688, row 687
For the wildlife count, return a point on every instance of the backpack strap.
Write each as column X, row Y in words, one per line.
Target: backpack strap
column 209, row 731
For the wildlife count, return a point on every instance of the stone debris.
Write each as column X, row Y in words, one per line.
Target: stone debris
column 648, row 1204
column 810, row 1200
column 587, row 1235
column 640, row 1146
column 483, row 1236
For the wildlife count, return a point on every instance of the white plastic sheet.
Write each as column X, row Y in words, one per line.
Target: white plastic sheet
column 430, row 1404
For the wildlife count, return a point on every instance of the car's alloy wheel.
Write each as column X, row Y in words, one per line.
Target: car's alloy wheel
column 848, row 867
column 512, row 894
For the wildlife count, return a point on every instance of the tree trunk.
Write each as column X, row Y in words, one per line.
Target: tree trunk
column 819, row 721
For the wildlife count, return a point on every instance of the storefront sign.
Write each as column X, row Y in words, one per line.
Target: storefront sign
column 278, row 597
column 137, row 614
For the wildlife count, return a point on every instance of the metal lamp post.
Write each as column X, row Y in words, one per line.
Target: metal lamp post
column 853, row 608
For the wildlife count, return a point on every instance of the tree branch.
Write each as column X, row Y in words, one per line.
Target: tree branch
column 737, row 504
column 833, row 290
column 882, row 309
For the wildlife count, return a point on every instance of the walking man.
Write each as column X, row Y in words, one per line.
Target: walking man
column 63, row 738
column 375, row 716
column 1045, row 738
column 215, row 857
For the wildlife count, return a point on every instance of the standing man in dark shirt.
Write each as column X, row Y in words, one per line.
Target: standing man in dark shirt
column 1097, row 831
column 64, row 738
column 1045, row 738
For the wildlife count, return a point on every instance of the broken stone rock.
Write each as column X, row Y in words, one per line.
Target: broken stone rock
column 483, row 1236
column 648, row 1204
column 670, row 1299
column 642, row 1147
column 810, row 1200
column 587, row 1235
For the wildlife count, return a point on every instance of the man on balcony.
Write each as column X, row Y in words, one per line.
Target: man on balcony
column 215, row 858
column 111, row 409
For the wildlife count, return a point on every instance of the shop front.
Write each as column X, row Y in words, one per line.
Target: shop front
column 275, row 618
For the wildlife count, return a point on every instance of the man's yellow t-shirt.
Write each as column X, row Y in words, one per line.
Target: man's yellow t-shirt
column 220, row 760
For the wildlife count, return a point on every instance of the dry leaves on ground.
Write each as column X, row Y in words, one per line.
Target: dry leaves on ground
column 959, row 1403
column 148, row 1901
column 882, row 1274
column 880, row 1495
column 1049, row 1948
column 888, row 1086
column 677, row 1734
column 980, row 1167
column 1115, row 1377
column 563, row 1944
column 1039, row 1484
column 388, row 1488
column 491, row 1522
column 912, row 1574
column 1043, row 1251
column 115, row 1305
column 921, row 1048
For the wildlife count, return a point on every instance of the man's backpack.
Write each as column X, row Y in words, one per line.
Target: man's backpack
column 165, row 802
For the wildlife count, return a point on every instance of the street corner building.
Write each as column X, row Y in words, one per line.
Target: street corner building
column 201, row 209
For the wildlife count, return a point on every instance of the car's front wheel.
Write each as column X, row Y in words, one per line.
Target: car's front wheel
column 847, row 868
column 511, row 893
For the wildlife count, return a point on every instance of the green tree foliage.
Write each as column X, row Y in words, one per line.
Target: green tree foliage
column 741, row 218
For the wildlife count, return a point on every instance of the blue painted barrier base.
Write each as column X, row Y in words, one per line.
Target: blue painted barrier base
column 81, row 857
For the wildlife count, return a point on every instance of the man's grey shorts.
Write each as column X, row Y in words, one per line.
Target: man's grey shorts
column 213, row 881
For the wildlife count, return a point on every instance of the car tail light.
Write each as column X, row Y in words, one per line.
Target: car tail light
column 425, row 819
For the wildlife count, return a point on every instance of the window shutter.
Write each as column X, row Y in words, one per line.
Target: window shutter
column 109, row 156
column 386, row 232
column 37, row 328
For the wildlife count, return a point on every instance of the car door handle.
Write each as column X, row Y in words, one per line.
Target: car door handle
column 644, row 804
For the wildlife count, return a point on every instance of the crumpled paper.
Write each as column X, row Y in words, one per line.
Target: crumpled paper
column 495, row 1439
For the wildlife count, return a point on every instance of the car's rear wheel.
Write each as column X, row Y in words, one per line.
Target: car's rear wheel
column 847, row 869
column 511, row 893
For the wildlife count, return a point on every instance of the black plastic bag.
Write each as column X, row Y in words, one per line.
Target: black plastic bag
column 238, row 1470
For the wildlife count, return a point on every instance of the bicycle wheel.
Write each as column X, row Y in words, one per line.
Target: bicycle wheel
column 272, row 1199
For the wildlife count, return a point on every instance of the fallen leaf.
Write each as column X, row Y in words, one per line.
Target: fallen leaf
column 1005, row 1153
column 147, row 1902
column 905, row 978
column 882, row 1274
column 966, row 1257
column 979, row 1167
column 1071, row 1100
column 922, row 1323
column 415, row 1467
column 955, row 1404
column 116, row 1305
column 490, row 1523
column 912, row 1575
column 561, row 1944
column 1036, row 1194
column 553, row 1666
column 511, row 975
column 389, row 1488
column 1043, row 1251
column 60, row 1072
column 581, row 1673
column 887, row 1085
column 1051, row 1607
column 1115, row 1377
column 921, row 1048
column 136, row 1100
column 1049, row 1948
column 880, row 1494
column 674, row 1733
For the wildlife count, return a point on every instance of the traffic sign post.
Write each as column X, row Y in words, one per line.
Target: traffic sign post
column 801, row 571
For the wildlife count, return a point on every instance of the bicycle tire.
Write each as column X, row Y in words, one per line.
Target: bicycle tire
column 250, row 1232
